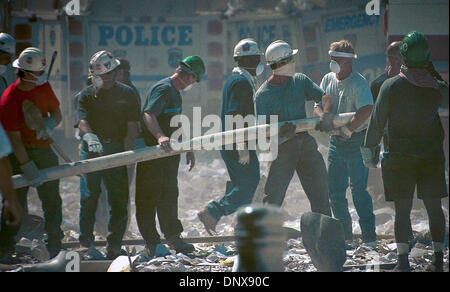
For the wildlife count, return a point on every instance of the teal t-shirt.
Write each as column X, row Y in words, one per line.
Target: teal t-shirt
column 287, row 100
column 164, row 101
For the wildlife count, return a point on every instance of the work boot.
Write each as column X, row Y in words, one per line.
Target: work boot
column 371, row 245
column 437, row 264
column 176, row 243
column 402, row 264
column 156, row 250
column 87, row 243
column 113, row 253
column 208, row 221
column 8, row 259
column 53, row 248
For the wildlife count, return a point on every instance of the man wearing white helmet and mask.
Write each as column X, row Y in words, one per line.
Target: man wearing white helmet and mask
column 242, row 165
column 350, row 93
column 284, row 94
column 108, row 113
column 7, row 51
column 31, row 152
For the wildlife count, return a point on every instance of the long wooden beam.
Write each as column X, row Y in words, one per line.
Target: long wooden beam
column 149, row 153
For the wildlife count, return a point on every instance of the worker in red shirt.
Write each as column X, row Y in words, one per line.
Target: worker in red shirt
column 32, row 153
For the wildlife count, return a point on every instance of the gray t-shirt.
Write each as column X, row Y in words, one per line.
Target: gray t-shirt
column 348, row 95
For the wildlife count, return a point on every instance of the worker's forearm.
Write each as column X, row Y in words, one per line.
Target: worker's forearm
column 132, row 134
column 18, row 147
column 84, row 127
column 57, row 116
column 152, row 125
column 6, row 185
column 318, row 111
column 327, row 103
column 361, row 116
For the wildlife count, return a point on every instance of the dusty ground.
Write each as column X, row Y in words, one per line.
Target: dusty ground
column 207, row 182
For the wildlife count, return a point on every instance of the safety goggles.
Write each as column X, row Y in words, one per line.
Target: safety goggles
column 288, row 60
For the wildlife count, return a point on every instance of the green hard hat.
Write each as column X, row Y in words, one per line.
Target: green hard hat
column 415, row 50
column 194, row 65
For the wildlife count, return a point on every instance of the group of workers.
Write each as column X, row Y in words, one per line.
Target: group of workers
column 110, row 120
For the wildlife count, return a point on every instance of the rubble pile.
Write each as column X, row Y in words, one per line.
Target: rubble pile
column 206, row 182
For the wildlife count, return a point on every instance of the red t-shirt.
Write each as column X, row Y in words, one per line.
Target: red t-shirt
column 11, row 114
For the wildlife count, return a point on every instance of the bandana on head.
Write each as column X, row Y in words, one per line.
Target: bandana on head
column 342, row 54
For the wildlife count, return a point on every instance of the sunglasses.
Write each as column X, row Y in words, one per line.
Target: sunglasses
column 288, row 60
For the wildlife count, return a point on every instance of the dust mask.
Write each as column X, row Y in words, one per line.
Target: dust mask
column 40, row 80
column 286, row 70
column 189, row 87
column 259, row 69
column 334, row 67
column 97, row 81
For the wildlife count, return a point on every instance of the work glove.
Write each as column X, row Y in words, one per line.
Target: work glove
column 244, row 157
column 138, row 143
column 342, row 133
column 325, row 123
column 33, row 175
column 371, row 156
column 94, row 144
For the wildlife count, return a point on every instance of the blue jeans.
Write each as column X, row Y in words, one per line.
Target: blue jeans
column 116, row 185
column 345, row 164
column 48, row 194
column 241, row 189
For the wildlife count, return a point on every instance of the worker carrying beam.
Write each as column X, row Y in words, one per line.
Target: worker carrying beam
column 12, row 211
column 31, row 149
column 157, row 180
column 108, row 114
column 350, row 93
column 284, row 94
column 242, row 165
column 414, row 158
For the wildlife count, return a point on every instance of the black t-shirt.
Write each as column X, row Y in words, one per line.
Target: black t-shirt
column 138, row 95
column 411, row 114
column 108, row 111
column 376, row 85
column 164, row 101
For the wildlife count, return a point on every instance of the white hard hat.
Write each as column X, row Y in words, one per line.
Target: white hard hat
column 246, row 47
column 277, row 51
column 31, row 59
column 7, row 44
column 102, row 62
